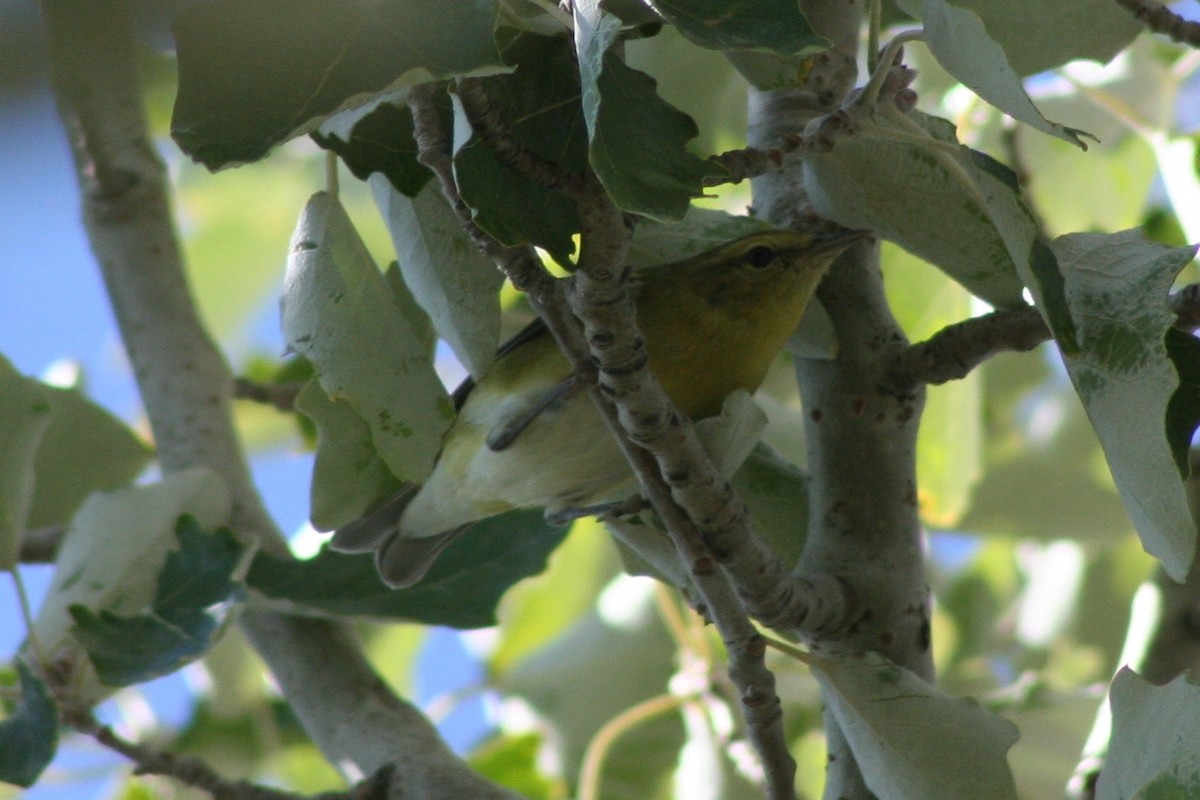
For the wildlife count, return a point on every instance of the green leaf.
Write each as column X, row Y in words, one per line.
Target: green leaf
column 539, row 103
column 24, row 418
column 369, row 346
column 933, row 197
column 84, row 449
column 1114, row 286
column 1037, row 36
column 195, row 592
column 636, row 139
column 449, row 278
column 255, row 74
column 774, row 25
column 538, row 610
column 29, row 737
column 776, row 492
column 512, row 761
column 379, row 140
column 348, row 474
column 699, row 230
column 461, row 590
column 961, row 44
column 1152, row 754
column 912, row 741
column 112, row 556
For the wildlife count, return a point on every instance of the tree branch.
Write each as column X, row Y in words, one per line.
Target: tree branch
column 186, row 386
column 1161, row 19
column 954, row 351
column 861, row 440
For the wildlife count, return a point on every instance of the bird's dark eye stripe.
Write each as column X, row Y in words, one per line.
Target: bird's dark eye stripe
column 760, row 255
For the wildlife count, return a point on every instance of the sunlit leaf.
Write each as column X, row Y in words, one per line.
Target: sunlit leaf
column 1152, row 753
column 1116, row 285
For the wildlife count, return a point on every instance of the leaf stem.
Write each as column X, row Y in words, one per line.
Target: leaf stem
column 602, row 742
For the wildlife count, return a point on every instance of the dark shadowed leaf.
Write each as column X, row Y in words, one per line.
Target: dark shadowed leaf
column 637, row 140
column 254, row 73
column 29, row 737
column 382, row 141
column 541, row 102
column 775, row 25
column 461, row 589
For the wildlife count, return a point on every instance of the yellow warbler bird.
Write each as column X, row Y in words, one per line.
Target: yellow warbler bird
column 528, row 436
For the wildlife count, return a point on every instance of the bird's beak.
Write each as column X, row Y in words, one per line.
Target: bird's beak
column 837, row 242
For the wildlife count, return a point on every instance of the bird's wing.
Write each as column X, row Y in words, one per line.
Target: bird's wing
column 534, row 330
column 518, row 416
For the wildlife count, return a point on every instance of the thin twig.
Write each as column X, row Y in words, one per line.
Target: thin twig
column 280, row 395
column 197, row 774
column 1161, row 19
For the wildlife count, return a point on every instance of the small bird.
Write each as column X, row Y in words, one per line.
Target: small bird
column 527, row 435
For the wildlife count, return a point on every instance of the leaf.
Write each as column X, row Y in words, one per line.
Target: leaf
column 1115, row 288
column 112, row 555
column 378, row 138
column 255, row 74
column 536, row 611
column 195, row 593
column 348, row 474
column 1037, row 36
column 699, row 230
column 1152, row 753
column 776, row 492
column 461, row 590
column 449, row 278
column 961, row 44
column 636, row 139
column 512, row 761
column 774, row 25
column 911, row 741
column 539, row 104
column 84, row 449
column 923, row 191
column 369, row 347
column 29, row 737
column 24, row 417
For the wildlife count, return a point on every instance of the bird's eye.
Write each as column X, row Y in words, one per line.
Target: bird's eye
column 760, row 256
